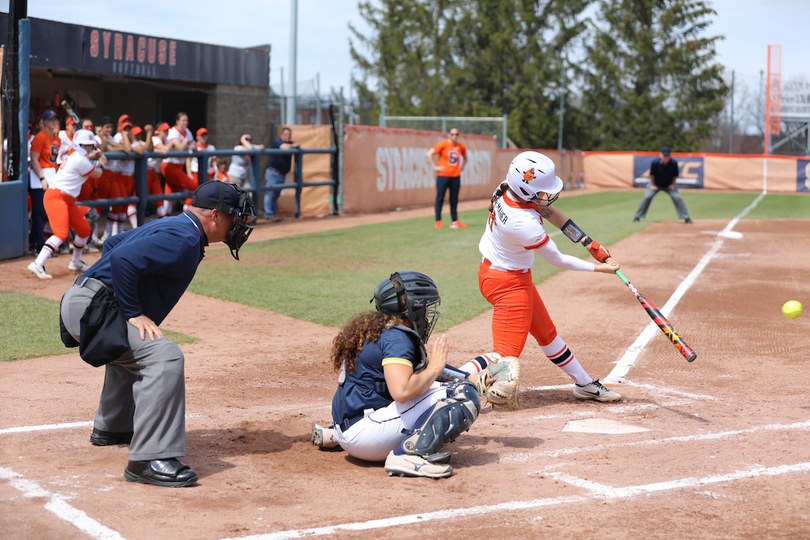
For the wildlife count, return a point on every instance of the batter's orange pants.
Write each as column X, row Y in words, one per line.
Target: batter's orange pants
column 63, row 215
column 519, row 311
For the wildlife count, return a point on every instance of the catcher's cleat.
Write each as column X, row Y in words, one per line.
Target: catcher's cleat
column 109, row 438
column 324, row 438
column 596, row 391
column 415, row 466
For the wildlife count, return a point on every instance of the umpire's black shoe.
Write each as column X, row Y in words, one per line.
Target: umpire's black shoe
column 160, row 472
column 109, row 438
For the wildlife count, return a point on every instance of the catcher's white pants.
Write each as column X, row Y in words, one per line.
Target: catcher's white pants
column 381, row 431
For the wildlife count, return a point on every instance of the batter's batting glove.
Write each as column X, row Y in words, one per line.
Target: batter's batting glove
column 599, row 252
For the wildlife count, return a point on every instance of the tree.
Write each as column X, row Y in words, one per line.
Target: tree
column 649, row 76
column 469, row 58
column 411, row 56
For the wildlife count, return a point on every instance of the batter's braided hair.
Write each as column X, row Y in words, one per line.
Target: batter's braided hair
column 497, row 195
column 361, row 328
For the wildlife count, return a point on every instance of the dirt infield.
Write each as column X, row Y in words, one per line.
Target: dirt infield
column 711, row 449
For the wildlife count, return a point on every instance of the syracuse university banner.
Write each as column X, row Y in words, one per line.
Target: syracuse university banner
column 386, row 168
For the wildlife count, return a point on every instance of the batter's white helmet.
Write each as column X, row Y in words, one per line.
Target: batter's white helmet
column 83, row 136
column 531, row 173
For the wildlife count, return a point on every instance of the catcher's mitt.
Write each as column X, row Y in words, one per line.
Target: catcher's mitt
column 504, row 391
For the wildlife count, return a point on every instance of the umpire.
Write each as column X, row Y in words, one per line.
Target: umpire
column 663, row 175
column 113, row 312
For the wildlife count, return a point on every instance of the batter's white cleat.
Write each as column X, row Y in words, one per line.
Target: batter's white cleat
column 38, row 271
column 415, row 466
column 323, row 437
column 78, row 266
column 596, row 391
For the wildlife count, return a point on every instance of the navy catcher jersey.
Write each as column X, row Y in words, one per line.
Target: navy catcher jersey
column 365, row 387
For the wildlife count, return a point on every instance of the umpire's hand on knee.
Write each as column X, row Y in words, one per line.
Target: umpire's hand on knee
column 146, row 326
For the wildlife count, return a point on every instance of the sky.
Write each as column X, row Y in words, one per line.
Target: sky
column 749, row 26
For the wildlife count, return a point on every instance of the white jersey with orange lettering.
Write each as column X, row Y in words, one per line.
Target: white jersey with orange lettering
column 514, row 231
column 72, row 174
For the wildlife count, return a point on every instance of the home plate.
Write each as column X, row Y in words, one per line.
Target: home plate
column 602, row 426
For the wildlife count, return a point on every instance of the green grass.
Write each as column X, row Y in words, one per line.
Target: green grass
column 29, row 328
column 326, row 277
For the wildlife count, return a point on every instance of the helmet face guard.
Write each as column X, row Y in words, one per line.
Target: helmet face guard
column 411, row 295
column 244, row 216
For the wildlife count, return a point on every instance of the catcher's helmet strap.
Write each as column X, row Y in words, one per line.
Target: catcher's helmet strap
column 399, row 289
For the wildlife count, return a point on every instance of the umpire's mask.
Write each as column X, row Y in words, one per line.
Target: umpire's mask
column 228, row 198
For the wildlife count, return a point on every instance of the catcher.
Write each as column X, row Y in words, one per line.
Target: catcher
column 389, row 405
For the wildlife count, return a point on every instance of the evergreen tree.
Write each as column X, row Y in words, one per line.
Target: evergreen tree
column 650, row 78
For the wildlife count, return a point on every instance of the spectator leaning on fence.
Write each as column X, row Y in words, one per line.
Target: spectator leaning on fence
column 239, row 170
column 277, row 169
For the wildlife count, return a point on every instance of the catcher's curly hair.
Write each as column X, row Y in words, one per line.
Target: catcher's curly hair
column 361, row 328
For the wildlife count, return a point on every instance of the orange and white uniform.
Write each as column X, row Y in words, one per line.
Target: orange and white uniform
column 60, row 198
column 172, row 168
column 513, row 233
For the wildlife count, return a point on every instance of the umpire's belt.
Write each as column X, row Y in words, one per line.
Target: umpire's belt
column 89, row 283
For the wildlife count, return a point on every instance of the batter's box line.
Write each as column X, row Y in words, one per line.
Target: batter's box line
column 798, row 426
column 621, row 409
column 56, row 503
column 596, row 491
column 607, row 492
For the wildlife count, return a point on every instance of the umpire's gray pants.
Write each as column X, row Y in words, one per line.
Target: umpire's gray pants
column 644, row 205
column 144, row 390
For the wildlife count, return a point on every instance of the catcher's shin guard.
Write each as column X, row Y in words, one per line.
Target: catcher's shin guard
column 443, row 422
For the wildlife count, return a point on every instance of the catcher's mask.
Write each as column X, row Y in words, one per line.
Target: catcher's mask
column 228, row 198
column 412, row 295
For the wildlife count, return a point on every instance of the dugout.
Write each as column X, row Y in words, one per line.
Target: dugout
column 107, row 72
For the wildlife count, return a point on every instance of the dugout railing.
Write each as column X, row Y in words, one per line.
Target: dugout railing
column 257, row 184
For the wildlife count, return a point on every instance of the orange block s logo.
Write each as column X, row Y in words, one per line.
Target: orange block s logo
column 528, row 176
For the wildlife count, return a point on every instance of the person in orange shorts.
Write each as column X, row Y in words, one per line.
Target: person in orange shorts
column 514, row 232
column 60, row 203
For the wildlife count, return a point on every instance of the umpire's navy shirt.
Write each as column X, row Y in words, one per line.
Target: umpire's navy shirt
column 664, row 174
column 150, row 267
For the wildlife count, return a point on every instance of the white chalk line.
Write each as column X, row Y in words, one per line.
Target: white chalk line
column 798, row 426
column 595, row 491
column 632, row 353
column 57, row 504
column 602, row 491
column 45, row 427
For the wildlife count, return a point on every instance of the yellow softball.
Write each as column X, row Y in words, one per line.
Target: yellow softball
column 792, row 309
